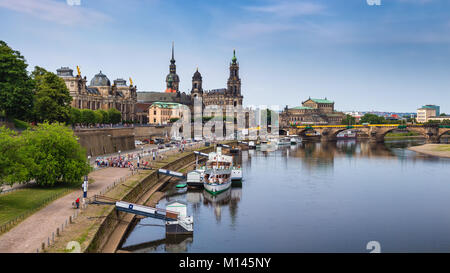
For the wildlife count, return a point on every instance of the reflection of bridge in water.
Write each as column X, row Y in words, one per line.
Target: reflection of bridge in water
column 375, row 132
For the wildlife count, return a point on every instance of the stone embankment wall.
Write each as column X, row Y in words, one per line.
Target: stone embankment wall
column 151, row 132
column 106, row 141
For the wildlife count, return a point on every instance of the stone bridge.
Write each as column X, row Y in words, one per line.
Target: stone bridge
column 376, row 132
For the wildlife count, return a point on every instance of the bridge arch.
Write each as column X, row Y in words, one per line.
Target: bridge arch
column 443, row 131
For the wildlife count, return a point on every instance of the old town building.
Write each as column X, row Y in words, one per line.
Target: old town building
column 164, row 112
column 100, row 94
column 229, row 96
column 312, row 111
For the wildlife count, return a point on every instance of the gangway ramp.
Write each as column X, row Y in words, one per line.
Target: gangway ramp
column 146, row 211
column 171, row 173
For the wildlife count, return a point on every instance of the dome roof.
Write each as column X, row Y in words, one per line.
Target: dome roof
column 172, row 77
column 100, row 80
column 197, row 75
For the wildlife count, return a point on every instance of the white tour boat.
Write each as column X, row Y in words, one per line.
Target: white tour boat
column 217, row 175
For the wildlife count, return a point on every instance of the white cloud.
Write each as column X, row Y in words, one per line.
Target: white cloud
column 55, row 11
column 290, row 9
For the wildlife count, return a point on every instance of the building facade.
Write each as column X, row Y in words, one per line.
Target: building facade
column 162, row 112
column 229, row 96
column 100, row 94
column 312, row 111
column 424, row 113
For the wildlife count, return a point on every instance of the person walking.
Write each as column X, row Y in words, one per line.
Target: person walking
column 77, row 202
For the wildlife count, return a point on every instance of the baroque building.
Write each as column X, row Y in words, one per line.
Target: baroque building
column 100, row 94
column 312, row 111
column 229, row 96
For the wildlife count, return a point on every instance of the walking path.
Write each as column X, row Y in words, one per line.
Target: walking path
column 28, row 236
column 33, row 231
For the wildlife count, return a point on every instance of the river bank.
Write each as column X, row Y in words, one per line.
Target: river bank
column 440, row 150
column 101, row 228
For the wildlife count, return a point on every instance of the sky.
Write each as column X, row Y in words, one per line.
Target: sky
column 389, row 57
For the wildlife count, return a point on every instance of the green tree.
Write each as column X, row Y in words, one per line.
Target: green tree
column 105, row 116
column 58, row 156
column 75, row 115
column 98, row 116
column 443, row 114
column 114, row 115
column 52, row 98
column 87, row 117
column 16, row 87
column 16, row 160
column 372, row 119
column 348, row 120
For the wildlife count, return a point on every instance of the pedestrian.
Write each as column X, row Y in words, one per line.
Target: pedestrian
column 78, row 202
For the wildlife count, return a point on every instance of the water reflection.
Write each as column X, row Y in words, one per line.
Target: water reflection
column 317, row 197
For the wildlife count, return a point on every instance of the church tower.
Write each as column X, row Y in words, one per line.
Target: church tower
column 172, row 77
column 197, row 90
column 234, row 82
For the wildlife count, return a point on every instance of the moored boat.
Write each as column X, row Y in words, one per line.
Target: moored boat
column 217, row 174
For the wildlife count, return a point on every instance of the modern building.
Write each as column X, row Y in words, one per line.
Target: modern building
column 312, row 111
column 439, row 118
column 424, row 113
column 162, row 112
column 435, row 107
column 100, row 94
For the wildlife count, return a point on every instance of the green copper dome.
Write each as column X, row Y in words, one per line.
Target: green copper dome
column 234, row 59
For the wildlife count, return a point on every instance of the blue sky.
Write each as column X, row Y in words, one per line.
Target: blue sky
column 393, row 57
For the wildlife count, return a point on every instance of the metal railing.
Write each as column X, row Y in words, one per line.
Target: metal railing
column 11, row 223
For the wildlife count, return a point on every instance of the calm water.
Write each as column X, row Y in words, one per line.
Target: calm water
column 314, row 197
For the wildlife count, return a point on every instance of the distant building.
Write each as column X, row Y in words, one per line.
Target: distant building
column 424, row 113
column 312, row 111
column 435, row 107
column 439, row 118
column 100, row 94
column 162, row 112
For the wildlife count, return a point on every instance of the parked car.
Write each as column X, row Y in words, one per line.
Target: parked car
column 138, row 142
column 160, row 146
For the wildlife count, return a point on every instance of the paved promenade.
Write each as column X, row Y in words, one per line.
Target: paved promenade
column 28, row 236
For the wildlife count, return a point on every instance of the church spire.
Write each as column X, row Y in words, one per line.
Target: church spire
column 234, row 59
column 173, row 58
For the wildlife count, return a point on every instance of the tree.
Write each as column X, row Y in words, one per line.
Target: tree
column 16, row 87
column 443, row 114
column 114, row 115
column 58, row 156
column 105, row 117
column 98, row 117
column 348, row 120
column 372, row 119
column 87, row 117
column 16, row 159
column 52, row 98
column 75, row 116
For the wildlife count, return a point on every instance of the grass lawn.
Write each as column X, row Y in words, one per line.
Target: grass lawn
column 405, row 134
column 28, row 200
column 443, row 148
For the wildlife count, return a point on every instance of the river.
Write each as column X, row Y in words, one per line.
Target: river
column 317, row 197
